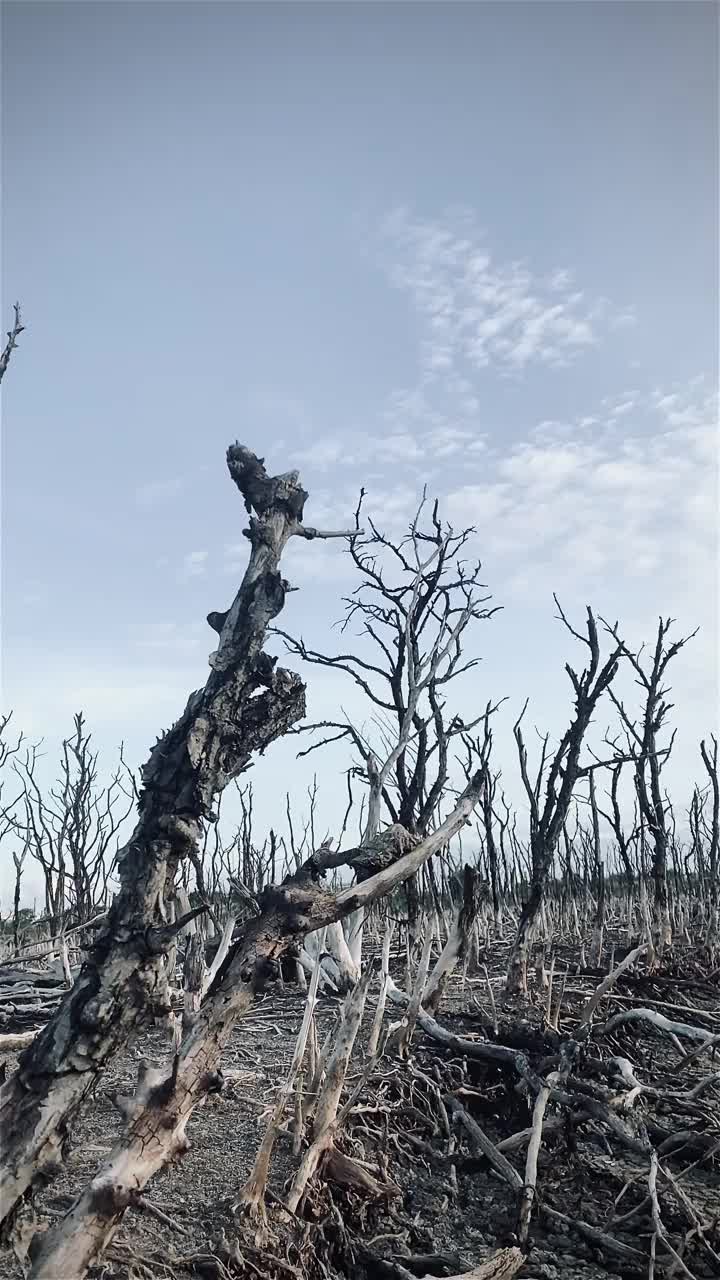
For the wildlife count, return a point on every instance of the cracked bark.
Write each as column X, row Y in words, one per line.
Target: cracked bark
column 246, row 703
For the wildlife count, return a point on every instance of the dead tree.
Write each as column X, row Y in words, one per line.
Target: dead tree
column 18, row 857
column 11, row 827
column 455, row 948
column 548, row 816
column 487, row 810
column 710, row 760
column 623, row 843
column 598, row 876
column 159, row 1112
column 245, row 704
column 72, row 830
column 12, row 336
column 649, row 760
column 412, row 608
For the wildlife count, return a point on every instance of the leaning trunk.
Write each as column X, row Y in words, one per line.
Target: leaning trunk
column 245, row 705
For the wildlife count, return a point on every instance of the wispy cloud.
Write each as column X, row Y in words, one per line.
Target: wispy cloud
column 476, row 311
column 406, row 448
column 621, row 498
column 607, row 507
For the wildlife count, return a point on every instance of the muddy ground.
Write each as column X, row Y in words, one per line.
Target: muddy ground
column 449, row 1202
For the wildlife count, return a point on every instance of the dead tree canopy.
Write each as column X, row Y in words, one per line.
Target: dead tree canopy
column 411, row 612
column 71, row 833
column 649, row 760
column 246, row 703
column 559, row 778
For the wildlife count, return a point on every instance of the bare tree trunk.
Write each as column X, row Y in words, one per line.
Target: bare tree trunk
column 220, row 955
column 327, row 1104
column 193, row 979
column 649, row 761
column 547, row 819
column 374, row 1038
column 253, row 1193
column 456, row 946
column 348, row 971
column 517, row 975
column 401, row 1034
column 712, row 937
column 123, row 979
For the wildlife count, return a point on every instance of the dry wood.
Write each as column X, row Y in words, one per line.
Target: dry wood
column 327, row 1104
column 12, row 1043
column 12, row 336
column 159, row 1114
column 533, row 1151
column 252, row 1194
column 194, row 972
column 555, row 1124
column 600, row 1238
column 502, row 1266
column 656, row 1020
column 374, row 1038
column 220, row 955
column 246, row 703
column 495, row 1157
column 608, row 982
column 455, row 947
column 481, row 1049
column 399, row 1036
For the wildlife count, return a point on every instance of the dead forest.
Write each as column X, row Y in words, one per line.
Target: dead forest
column 452, row 1038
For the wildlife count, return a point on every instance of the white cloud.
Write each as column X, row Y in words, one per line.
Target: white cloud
column 411, row 450
column 478, row 312
column 606, row 509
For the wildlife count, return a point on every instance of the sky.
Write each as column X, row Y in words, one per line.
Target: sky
column 471, row 247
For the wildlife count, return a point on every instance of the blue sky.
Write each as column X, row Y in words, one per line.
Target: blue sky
column 390, row 244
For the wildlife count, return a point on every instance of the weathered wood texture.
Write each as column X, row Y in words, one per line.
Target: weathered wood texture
column 246, row 703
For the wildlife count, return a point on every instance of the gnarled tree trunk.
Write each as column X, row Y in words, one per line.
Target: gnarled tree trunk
column 245, row 704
